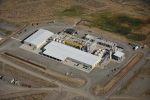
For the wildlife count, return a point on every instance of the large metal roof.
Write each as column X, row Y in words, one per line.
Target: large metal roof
column 119, row 54
column 62, row 51
column 39, row 36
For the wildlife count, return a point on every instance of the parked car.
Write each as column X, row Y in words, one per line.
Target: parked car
column 115, row 69
column 26, row 85
column 29, row 86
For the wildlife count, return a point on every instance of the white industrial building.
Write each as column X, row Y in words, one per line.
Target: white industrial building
column 38, row 38
column 119, row 56
column 62, row 52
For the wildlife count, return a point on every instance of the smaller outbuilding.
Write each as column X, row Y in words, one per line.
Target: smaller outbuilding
column 70, row 31
column 119, row 56
column 38, row 38
column 8, row 79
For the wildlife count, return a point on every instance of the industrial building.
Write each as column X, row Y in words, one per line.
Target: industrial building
column 68, row 49
column 119, row 56
column 62, row 52
column 8, row 79
column 38, row 38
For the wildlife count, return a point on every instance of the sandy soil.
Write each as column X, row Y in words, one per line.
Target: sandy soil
column 103, row 89
column 38, row 96
column 19, row 73
column 75, row 82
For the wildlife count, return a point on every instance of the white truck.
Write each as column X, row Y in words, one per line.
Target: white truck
column 136, row 47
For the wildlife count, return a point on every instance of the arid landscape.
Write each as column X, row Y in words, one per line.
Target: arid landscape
column 26, row 11
column 43, row 77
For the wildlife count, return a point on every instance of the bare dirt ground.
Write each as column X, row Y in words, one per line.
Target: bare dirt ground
column 103, row 89
column 38, row 96
column 142, row 88
column 19, row 73
column 75, row 82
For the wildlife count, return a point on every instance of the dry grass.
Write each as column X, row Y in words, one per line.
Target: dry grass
column 117, row 75
column 38, row 96
column 142, row 70
column 75, row 82
column 93, row 3
column 145, row 70
column 147, row 92
column 22, row 74
column 26, row 11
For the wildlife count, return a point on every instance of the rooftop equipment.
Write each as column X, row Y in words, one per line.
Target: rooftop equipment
column 73, row 43
column 70, row 31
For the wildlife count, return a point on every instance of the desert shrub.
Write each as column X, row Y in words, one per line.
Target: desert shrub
column 108, row 24
column 73, row 11
column 136, row 37
column 131, row 21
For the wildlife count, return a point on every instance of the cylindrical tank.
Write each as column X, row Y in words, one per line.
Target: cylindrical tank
column 62, row 42
column 103, row 50
column 59, row 41
column 110, row 54
column 53, row 39
column 100, row 52
column 56, row 40
column 88, row 48
column 95, row 53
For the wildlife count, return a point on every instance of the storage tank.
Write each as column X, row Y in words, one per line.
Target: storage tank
column 59, row 41
column 98, row 50
column 101, row 55
column 62, row 42
column 101, row 52
column 104, row 50
column 95, row 53
column 88, row 48
column 110, row 54
column 53, row 39
column 56, row 40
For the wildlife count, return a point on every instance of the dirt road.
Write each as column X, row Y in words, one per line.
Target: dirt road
column 123, row 80
column 61, row 86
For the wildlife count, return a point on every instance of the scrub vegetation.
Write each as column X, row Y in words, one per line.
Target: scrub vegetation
column 136, row 37
column 121, row 24
column 73, row 11
column 95, row 11
column 6, row 32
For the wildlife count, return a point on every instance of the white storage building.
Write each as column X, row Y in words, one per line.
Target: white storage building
column 38, row 38
column 62, row 52
column 119, row 56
